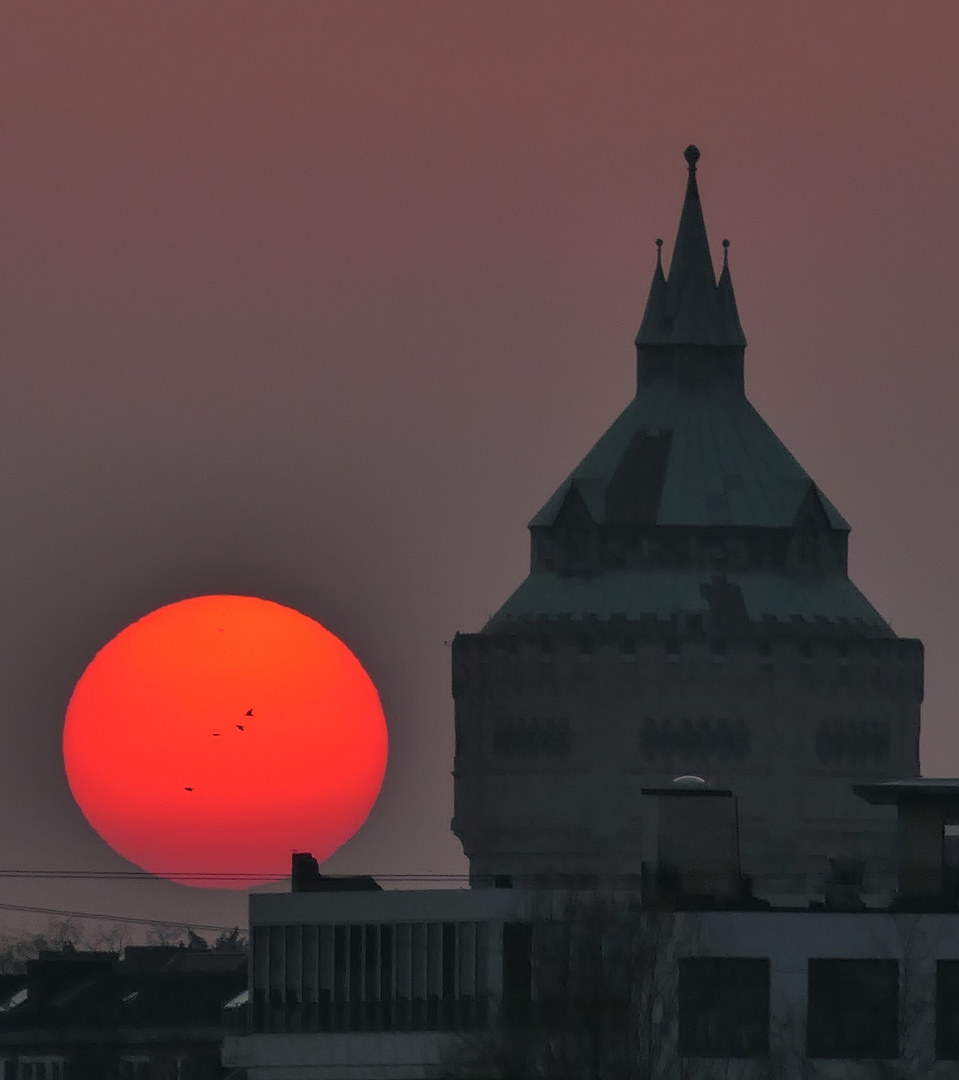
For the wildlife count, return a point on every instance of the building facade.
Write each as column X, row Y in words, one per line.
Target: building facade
column 688, row 610
column 157, row 1013
column 379, row 986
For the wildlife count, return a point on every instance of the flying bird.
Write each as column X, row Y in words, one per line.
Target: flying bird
column 188, row 789
column 240, row 726
column 249, row 712
column 216, row 734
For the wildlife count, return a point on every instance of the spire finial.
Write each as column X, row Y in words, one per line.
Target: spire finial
column 691, row 307
column 725, row 254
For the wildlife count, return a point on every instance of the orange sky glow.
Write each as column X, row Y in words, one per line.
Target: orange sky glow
column 319, row 301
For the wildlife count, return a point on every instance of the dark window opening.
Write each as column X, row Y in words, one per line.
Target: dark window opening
column 517, row 972
column 853, row 1009
column 668, row 739
column 947, row 1010
column 809, row 546
column 531, row 738
column 723, row 1007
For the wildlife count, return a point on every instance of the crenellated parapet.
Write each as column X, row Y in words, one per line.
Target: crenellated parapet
column 493, row 664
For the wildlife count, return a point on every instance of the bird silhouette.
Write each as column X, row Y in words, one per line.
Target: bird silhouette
column 249, row 712
column 188, row 789
column 216, row 734
column 240, row 726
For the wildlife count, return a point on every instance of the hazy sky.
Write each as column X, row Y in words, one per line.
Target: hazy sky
column 321, row 300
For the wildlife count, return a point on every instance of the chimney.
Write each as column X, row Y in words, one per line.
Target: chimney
column 307, row 878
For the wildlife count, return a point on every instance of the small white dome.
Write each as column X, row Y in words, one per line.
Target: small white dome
column 689, row 782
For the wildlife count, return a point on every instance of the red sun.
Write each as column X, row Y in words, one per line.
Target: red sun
column 218, row 734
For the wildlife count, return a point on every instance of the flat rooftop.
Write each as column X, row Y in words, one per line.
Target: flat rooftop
column 926, row 788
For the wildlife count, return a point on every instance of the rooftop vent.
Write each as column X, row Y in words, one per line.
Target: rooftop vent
column 307, row 878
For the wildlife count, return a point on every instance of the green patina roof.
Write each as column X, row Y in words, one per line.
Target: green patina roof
column 690, row 451
column 725, row 465
column 665, row 594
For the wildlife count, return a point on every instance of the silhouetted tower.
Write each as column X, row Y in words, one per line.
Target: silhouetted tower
column 687, row 610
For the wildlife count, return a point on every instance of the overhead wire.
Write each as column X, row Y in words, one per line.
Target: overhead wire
column 143, row 875
column 166, row 923
column 205, row 875
column 240, row 876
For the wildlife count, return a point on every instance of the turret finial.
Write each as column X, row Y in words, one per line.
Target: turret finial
column 691, row 307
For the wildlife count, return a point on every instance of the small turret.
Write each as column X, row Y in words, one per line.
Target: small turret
column 727, row 302
column 689, row 309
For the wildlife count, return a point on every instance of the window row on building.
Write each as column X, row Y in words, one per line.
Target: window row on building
column 437, row 976
column 60, row 1067
column 704, row 737
column 417, row 976
column 852, row 1008
column 836, row 742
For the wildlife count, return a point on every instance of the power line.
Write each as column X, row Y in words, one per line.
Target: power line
column 137, row 875
column 143, row 875
column 201, row 875
column 117, row 918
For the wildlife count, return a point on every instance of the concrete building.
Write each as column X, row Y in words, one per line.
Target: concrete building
column 688, row 611
column 372, row 984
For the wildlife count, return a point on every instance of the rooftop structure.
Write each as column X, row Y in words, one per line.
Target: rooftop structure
column 688, row 610
column 413, row 984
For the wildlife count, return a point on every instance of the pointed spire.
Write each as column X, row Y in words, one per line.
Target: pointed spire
column 727, row 301
column 688, row 308
column 656, row 303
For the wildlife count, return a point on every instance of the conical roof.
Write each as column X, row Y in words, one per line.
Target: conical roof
column 691, row 452
column 688, row 465
column 688, row 308
column 718, row 464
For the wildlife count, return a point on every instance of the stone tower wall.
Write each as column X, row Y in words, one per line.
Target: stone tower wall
column 558, row 731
